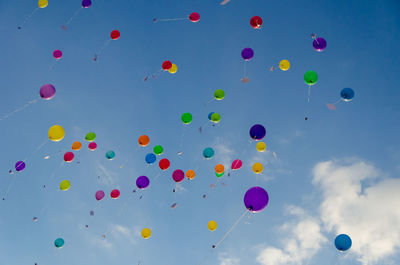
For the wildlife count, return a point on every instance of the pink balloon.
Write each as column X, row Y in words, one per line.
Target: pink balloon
column 57, row 54
column 99, row 195
column 236, row 164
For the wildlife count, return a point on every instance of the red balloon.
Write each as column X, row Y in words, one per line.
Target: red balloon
column 115, row 34
column 194, row 17
column 256, row 22
column 68, row 157
column 115, row 194
column 164, row 164
column 166, row 65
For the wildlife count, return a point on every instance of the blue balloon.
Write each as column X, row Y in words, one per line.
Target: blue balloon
column 347, row 94
column 150, row 158
column 342, row 242
column 208, row 152
column 209, row 115
column 257, row 132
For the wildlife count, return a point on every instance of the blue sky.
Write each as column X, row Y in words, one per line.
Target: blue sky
column 335, row 173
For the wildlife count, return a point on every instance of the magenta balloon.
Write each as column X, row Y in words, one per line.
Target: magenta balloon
column 256, row 199
column 99, row 195
column 178, row 175
column 57, row 54
column 47, row 91
column 142, row 182
column 236, row 164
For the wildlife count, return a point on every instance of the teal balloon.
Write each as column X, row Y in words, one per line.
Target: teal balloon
column 208, row 152
column 110, row 155
column 59, row 242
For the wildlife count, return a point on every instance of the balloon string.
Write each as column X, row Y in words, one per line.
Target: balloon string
column 9, row 187
column 181, row 142
column 337, row 101
column 169, row 19
column 73, row 16
column 101, row 50
column 19, row 109
column 53, row 64
column 28, row 17
column 37, row 149
column 244, row 69
column 309, row 93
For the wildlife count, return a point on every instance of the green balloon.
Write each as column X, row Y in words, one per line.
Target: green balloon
column 215, row 117
column 219, row 175
column 311, row 78
column 158, row 149
column 90, row 137
column 219, row 94
column 186, row 118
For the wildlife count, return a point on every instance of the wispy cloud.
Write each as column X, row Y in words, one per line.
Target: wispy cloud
column 226, row 259
column 107, row 177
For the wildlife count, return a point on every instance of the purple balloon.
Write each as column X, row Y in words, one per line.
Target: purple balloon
column 247, row 54
column 86, row 3
column 256, row 199
column 178, row 175
column 319, row 44
column 47, row 91
column 19, row 166
column 257, row 132
column 99, row 195
column 142, row 182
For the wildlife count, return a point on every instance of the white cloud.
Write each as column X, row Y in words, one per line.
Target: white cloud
column 226, row 259
column 106, row 176
column 223, row 152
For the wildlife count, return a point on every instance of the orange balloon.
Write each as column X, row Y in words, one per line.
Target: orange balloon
column 190, row 174
column 144, row 140
column 76, row 146
column 219, row 168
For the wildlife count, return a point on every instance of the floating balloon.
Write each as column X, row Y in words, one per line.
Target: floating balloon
column 173, row 69
column 68, row 157
column 194, row 17
column 99, row 195
column 65, row 185
column 164, row 164
column 158, row 149
column 347, row 94
column 115, row 34
column 210, row 114
column 284, row 65
column 146, row 233
column 178, row 175
column 186, row 118
column 57, row 54
column 86, row 3
column 261, row 146
column 319, row 44
column 19, row 166
column 343, row 242
column 90, row 137
column 166, row 65
column 219, row 174
column 236, row 164
column 256, row 199
column 219, row 168
column 143, row 140
column 247, row 54
column 256, row 22
column 190, row 174
column 43, row 3
column 212, row 225
column 92, row 146
column 47, row 91
column 142, row 182
column 150, row 158
column 215, row 117
column 208, row 152
column 76, row 146
column 257, row 132
column 59, row 243
column 311, row 78
column 219, row 94
column 257, row 168
column 56, row 133
column 110, row 155
column 115, row 194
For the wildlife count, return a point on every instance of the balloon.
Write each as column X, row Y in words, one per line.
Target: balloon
column 164, row 164
column 142, row 182
column 208, row 152
column 178, row 175
column 56, row 133
column 236, row 164
column 215, row 117
column 43, row 3
column 92, row 146
column 150, row 158
column 146, row 233
column 90, row 137
column 76, row 146
column 256, row 22
column 210, row 114
column 68, row 157
column 284, row 65
column 173, row 69
column 219, row 174
column 247, row 54
column 347, row 94
column 144, row 140
column 219, row 168
column 47, row 91
column 219, row 94
column 261, row 146
column 65, row 185
column 342, row 242
column 110, row 155
column 257, row 132
column 258, row 168
column 166, row 65
column 57, row 54
column 158, row 149
column 59, row 242
column 20, row 165
column 319, row 44
column 99, row 195
column 190, row 174
column 310, row 78
column 115, row 34
column 115, row 194
column 86, row 3
column 212, row 225
column 194, row 17
column 256, row 199
column 186, row 118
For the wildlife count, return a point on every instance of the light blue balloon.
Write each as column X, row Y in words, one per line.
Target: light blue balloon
column 59, row 242
column 342, row 242
column 150, row 158
column 208, row 152
column 110, row 155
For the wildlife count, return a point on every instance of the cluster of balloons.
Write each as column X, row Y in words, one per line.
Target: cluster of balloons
column 114, row 194
column 169, row 66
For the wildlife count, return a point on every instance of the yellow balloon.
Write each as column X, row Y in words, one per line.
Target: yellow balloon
column 146, row 233
column 212, row 225
column 258, row 168
column 43, row 3
column 56, row 133
column 261, row 146
column 65, row 185
column 284, row 65
column 173, row 69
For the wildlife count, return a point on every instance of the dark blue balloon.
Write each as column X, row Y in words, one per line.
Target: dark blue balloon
column 150, row 158
column 247, row 54
column 209, row 115
column 257, row 132
column 342, row 242
column 347, row 94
